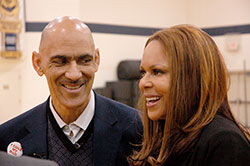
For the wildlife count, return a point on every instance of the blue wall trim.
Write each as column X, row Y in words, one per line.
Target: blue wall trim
column 139, row 31
column 99, row 28
column 35, row 26
column 218, row 31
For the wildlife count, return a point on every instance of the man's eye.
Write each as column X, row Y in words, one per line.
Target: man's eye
column 59, row 61
column 84, row 60
column 87, row 60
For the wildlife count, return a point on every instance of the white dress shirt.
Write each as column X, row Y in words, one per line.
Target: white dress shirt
column 76, row 129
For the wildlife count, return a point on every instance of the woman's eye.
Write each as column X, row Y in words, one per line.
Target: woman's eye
column 157, row 71
column 142, row 73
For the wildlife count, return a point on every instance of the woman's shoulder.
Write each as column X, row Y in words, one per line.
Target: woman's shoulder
column 223, row 127
column 221, row 143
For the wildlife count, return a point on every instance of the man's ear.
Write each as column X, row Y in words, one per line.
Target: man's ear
column 97, row 58
column 36, row 62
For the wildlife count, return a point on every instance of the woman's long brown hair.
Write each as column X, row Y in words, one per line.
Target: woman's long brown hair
column 198, row 91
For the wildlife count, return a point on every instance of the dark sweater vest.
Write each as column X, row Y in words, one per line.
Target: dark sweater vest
column 61, row 149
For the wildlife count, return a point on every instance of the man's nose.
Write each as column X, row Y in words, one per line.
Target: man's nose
column 73, row 72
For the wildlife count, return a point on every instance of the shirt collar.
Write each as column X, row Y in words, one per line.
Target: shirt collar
column 84, row 119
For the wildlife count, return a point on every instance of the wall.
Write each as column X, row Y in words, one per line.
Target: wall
column 117, row 47
column 219, row 13
column 113, row 47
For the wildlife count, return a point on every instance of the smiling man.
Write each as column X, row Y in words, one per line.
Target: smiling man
column 75, row 126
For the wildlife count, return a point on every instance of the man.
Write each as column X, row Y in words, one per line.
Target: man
column 75, row 126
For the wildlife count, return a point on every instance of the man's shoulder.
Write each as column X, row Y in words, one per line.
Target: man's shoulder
column 127, row 118
column 18, row 127
column 25, row 117
column 109, row 109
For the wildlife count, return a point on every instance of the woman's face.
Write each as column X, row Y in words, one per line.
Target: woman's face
column 155, row 80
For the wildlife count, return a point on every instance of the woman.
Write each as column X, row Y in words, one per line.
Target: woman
column 186, row 114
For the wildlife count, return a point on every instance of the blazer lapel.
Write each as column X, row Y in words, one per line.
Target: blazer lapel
column 106, row 134
column 35, row 142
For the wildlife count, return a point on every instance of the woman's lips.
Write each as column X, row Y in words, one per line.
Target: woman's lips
column 152, row 101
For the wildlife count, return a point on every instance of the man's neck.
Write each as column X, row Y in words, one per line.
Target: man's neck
column 68, row 115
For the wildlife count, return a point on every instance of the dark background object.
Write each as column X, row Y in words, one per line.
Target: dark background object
column 128, row 70
column 105, row 91
column 121, row 89
column 126, row 89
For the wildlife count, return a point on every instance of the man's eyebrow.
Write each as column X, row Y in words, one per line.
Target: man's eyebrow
column 58, row 57
column 85, row 56
column 69, row 57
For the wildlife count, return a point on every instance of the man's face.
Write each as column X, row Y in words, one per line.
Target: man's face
column 69, row 63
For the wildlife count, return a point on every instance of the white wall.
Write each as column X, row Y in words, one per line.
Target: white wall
column 113, row 47
column 217, row 13
column 47, row 10
column 149, row 13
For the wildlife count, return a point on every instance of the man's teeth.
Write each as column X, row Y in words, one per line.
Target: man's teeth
column 71, row 87
column 151, row 99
